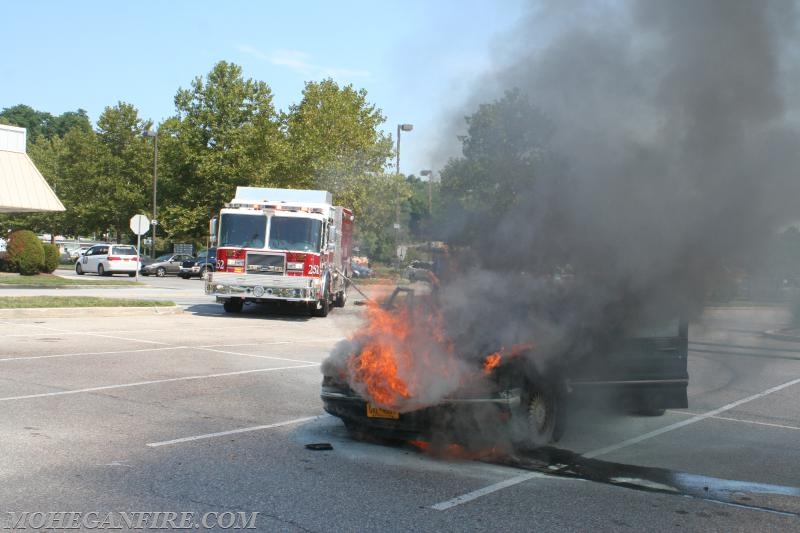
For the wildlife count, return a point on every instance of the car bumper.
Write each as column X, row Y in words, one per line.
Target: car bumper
column 453, row 415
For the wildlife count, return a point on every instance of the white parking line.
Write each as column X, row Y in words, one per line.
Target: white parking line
column 742, row 420
column 232, row 432
column 474, row 495
column 259, row 356
column 458, row 500
column 693, row 420
column 91, row 353
column 152, row 382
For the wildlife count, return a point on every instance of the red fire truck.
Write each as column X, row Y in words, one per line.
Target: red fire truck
column 282, row 245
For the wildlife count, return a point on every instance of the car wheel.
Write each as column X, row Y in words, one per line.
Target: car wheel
column 161, row 272
column 650, row 412
column 538, row 419
column 79, row 269
column 234, row 305
column 131, row 274
column 100, row 270
column 184, row 276
column 203, row 273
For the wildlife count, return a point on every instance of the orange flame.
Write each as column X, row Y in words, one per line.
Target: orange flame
column 491, row 362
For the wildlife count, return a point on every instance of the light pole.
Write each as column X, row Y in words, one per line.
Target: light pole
column 401, row 127
column 428, row 173
column 154, row 222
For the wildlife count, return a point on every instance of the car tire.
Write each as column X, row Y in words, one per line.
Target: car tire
column 161, row 272
column 538, row 421
column 184, row 276
column 100, row 270
column 650, row 412
column 131, row 274
column 79, row 269
column 234, row 305
column 203, row 273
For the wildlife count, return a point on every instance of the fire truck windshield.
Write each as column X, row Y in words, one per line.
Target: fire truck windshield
column 295, row 233
column 244, row 231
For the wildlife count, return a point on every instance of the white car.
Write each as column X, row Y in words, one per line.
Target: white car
column 108, row 259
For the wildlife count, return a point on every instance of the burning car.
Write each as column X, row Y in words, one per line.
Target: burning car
column 391, row 379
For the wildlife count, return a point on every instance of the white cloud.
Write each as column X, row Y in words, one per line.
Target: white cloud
column 301, row 63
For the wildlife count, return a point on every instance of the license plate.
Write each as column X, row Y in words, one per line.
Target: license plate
column 378, row 412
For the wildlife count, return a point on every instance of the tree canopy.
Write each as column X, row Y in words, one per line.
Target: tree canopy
column 225, row 132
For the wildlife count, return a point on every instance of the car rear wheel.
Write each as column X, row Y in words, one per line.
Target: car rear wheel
column 234, row 305
column 79, row 269
column 161, row 272
column 100, row 270
column 203, row 273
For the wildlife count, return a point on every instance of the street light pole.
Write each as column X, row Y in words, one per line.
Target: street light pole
column 401, row 127
column 154, row 222
column 428, row 173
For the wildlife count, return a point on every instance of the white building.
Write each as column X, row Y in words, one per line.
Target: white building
column 22, row 186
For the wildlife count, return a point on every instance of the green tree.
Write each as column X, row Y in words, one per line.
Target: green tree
column 226, row 133
column 506, row 156
column 333, row 134
column 42, row 124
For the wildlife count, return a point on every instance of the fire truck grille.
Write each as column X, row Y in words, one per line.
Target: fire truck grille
column 266, row 264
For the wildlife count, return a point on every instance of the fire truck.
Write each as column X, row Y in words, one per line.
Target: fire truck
column 286, row 245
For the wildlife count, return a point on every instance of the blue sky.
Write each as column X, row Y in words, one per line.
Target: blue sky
column 417, row 59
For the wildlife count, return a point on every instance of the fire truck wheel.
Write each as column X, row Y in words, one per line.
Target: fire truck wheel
column 234, row 305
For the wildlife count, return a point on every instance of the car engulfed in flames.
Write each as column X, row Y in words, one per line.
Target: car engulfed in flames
column 400, row 377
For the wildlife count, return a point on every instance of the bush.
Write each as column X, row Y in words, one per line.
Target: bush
column 4, row 266
column 52, row 256
column 25, row 253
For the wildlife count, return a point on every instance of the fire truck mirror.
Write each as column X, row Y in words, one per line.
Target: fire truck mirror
column 212, row 229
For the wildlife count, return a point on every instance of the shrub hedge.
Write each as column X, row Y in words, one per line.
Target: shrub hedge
column 25, row 253
column 52, row 256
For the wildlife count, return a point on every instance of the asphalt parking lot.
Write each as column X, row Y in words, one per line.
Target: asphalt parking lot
column 201, row 412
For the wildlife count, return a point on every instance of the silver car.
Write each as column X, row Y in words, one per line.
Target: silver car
column 165, row 264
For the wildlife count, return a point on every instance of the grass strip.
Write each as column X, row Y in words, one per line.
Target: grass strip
column 50, row 280
column 31, row 302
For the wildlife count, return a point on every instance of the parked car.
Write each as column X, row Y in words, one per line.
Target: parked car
column 206, row 261
column 166, row 264
column 78, row 252
column 109, row 259
column 419, row 271
column 361, row 271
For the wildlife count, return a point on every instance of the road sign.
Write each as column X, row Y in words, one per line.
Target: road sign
column 140, row 224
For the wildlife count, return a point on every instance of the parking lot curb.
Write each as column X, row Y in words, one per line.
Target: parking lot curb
column 69, row 312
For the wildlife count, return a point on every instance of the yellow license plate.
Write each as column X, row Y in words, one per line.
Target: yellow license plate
column 377, row 412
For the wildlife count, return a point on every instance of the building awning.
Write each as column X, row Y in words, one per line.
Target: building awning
column 22, row 186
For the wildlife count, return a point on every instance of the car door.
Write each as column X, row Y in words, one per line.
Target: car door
column 174, row 264
column 92, row 258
